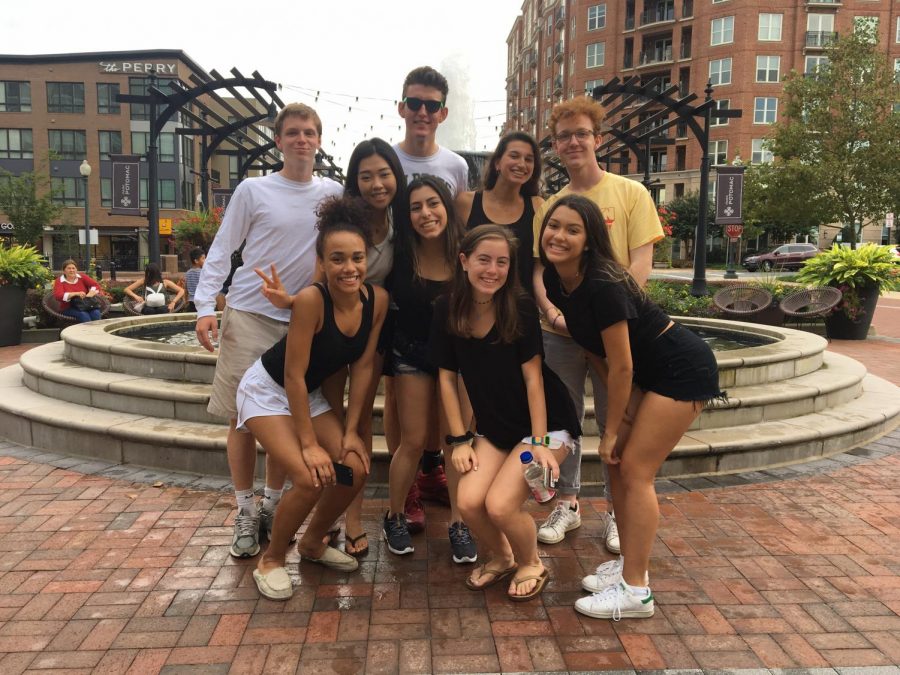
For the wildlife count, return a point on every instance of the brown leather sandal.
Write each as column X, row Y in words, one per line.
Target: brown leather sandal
column 497, row 576
column 541, row 579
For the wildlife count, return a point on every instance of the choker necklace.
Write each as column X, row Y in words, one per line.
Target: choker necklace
column 482, row 302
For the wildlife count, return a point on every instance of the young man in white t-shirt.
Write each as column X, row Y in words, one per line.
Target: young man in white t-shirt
column 423, row 108
column 275, row 216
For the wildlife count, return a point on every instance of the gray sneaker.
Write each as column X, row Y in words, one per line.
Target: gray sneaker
column 245, row 542
column 266, row 518
column 462, row 544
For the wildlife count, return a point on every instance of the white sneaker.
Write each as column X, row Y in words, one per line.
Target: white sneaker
column 607, row 574
column 612, row 535
column 616, row 602
column 563, row 519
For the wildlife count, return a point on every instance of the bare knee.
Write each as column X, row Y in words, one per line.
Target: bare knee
column 500, row 508
column 470, row 505
column 634, row 474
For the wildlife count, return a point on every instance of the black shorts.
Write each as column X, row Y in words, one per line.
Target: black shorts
column 683, row 367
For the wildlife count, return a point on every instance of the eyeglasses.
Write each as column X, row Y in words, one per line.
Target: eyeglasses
column 580, row 134
column 415, row 104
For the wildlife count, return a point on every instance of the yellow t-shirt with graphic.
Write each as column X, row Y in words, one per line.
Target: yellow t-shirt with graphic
column 627, row 207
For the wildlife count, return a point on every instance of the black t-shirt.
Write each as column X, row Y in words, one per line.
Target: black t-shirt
column 523, row 229
column 600, row 302
column 492, row 372
column 414, row 299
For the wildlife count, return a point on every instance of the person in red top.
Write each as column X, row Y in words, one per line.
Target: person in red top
column 72, row 284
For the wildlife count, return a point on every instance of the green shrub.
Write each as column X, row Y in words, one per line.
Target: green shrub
column 675, row 298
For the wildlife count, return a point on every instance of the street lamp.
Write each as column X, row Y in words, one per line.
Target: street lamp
column 85, row 170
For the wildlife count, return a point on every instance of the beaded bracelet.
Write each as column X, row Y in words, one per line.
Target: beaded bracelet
column 541, row 440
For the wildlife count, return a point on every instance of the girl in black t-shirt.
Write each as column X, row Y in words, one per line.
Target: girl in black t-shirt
column 674, row 372
column 280, row 401
column 487, row 329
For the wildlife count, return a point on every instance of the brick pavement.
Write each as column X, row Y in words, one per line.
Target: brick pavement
column 110, row 576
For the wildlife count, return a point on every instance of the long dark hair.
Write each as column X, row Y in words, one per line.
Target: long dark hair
column 152, row 275
column 366, row 149
column 407, row 238
column 531, row 187
column 598, row 258
column 341, row 214
column 505, row 300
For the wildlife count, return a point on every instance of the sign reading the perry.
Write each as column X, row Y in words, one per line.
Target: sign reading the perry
column 729, row 194
column 138, row 68
column 126, row 185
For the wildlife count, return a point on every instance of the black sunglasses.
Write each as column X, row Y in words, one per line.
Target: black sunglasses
column 415, row 104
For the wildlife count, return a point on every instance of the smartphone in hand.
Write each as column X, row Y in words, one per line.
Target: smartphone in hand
column 343, row 474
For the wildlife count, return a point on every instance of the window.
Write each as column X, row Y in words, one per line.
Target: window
column 187, row 151
column 139, row 142
column 547, row 90
column 765, row 110
column 139, row 85
column 165, row 193
column 590, row 85
column 760, row 154
column 234, row 176
column 720, row 71
column 596, row 54
column 721, row 104
column 65, row 97
column 110, row 144
column 897, row 32
column 897, row 71
column 718, row 152
column 597, row 17
column 106, row 193
column 188, row 196
column 770, row 27
column 106, row 98
column 866, row 25
column 15, row 97
column 167, row 147
column 722, row 31
column 16, row 144
column 820, row 23
column 68, row 191
column 572, row 63
column 550, row 24
column 814, row 63
column 548, row 56
column 768, row 68
column 68, row 144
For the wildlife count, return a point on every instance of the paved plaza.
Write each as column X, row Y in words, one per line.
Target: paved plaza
column 113, row 569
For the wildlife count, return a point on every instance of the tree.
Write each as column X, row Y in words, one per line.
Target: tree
column 27, row 200
column 839, row 137
column 686, row 210
column 775, row 201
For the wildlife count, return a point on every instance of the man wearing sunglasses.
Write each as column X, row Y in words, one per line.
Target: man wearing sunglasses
column 423, row 108
column 634, row 227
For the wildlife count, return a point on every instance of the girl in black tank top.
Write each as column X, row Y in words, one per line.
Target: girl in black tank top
column 279, row 399
column 511, row 191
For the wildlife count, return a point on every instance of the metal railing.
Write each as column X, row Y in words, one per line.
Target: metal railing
column 820, row 39
column 658, row 14
column 656, row 56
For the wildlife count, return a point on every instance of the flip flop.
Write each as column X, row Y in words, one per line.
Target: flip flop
column 498, row 576
column 358, row 553
column 334, row 559
column 332, row 536
column 541, row 579
column 275, row 584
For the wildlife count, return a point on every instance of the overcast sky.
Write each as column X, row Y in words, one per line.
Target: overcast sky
column 341, row 48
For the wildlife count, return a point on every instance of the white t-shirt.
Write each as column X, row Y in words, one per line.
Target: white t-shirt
column 445, row 164
column 380, row 259
column 277, row 218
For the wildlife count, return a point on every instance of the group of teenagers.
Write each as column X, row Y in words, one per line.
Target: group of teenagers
column 482, row 313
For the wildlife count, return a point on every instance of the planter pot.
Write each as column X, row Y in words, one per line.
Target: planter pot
column 838, row 326
column 12, row 314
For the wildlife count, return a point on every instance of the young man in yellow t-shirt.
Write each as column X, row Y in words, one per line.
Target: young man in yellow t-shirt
column 634, row 227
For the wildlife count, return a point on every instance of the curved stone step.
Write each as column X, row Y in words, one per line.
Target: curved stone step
column 31, row 418
column 48, row 372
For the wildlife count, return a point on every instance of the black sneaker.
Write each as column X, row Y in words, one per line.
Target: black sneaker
column 396, row 534
column 462, row 544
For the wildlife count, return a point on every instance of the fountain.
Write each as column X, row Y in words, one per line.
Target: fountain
column 101, row 392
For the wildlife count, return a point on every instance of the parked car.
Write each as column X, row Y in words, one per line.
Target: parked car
column 789, row 256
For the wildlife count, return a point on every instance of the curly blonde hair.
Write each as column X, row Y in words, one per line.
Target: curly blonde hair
column 580, row 105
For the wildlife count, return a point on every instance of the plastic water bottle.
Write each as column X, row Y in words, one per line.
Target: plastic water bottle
column 534, row 476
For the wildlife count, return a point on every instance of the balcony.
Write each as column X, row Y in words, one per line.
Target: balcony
column 561, row 17
column 830, row 3
column 819, row 39
column 658, row 14
column 558, row 52
column 687, row 9
column 656, row 56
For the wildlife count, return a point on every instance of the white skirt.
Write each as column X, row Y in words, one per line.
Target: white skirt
column 258, row 395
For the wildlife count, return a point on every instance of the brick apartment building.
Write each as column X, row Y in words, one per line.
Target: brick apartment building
column 558, row 49
column 64, row 106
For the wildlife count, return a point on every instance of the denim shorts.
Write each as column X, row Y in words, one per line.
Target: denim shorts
column 410, row 356
column 681, row 367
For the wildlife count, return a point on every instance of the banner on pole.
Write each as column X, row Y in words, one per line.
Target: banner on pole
column 126, row 185
column 729, row 194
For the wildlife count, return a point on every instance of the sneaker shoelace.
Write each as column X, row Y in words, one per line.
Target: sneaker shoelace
column 558, row 513
column 613, row 593
column 397, row 525
column 607, row 567
column 460, row 534
column 246, row 525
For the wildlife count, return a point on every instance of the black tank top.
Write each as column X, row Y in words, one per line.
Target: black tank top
column 523, row 229
column 331, row 350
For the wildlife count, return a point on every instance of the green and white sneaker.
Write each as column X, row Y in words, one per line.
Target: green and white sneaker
column 616, row 602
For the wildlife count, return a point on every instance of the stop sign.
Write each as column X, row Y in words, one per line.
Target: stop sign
column 734, row 231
